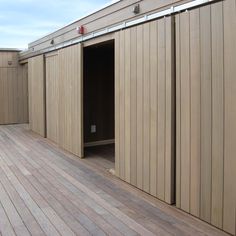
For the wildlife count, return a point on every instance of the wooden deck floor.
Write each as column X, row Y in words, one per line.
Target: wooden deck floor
column 47, row 191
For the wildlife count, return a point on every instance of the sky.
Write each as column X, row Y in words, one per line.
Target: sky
column 23, row 21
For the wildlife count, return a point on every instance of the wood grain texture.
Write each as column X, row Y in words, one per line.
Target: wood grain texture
column 161, row 106
column 206, row 105
column 206, row 114
column 48, row 191
column 170, row 144
column 145, row 73
column 229, row 12
column 37, row 98
column 133, row 106
column 13, row 89
column 139, row 171
column 178, row 111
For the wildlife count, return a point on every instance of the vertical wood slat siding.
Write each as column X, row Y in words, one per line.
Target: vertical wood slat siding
column 13, row 90
column 144, row 107
column 206, row 130
column 229, row 203
column 64, row 98
column 23, row 103
column 206, row 101
column 52, row 95
column 70, row 99
column 37, row 94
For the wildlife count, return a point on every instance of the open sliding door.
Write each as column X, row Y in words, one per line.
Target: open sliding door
column 71, row 99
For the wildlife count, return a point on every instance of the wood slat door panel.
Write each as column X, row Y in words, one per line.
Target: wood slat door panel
column 144, row 102
column 64, row 93
column 71, row 99
column 206, row 130
column 36, row 77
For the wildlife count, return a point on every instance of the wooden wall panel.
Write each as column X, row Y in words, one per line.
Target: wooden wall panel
column 144, row 101
column 36, row 75
column 52, row 97
column 13, row 90
column 206, row 130
column 71, row 99
column 9, row 98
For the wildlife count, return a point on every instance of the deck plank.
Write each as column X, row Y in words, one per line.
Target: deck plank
column 14, row 218
column 5, row 225
column 31, row 204
column 21, row 208
column 45, row 190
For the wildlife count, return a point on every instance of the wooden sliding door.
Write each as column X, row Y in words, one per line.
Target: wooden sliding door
column 8, row 95
column 144, row 107
column 64, row 93
column 71, row 99
column 206, row 113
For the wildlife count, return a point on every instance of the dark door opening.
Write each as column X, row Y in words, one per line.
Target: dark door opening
column 99, row 121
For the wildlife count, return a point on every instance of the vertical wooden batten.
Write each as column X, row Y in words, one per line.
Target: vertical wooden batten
column 217, row 115
column 229, row 203
column 52, row 96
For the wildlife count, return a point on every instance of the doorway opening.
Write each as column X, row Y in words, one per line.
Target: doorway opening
column 99, row 104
